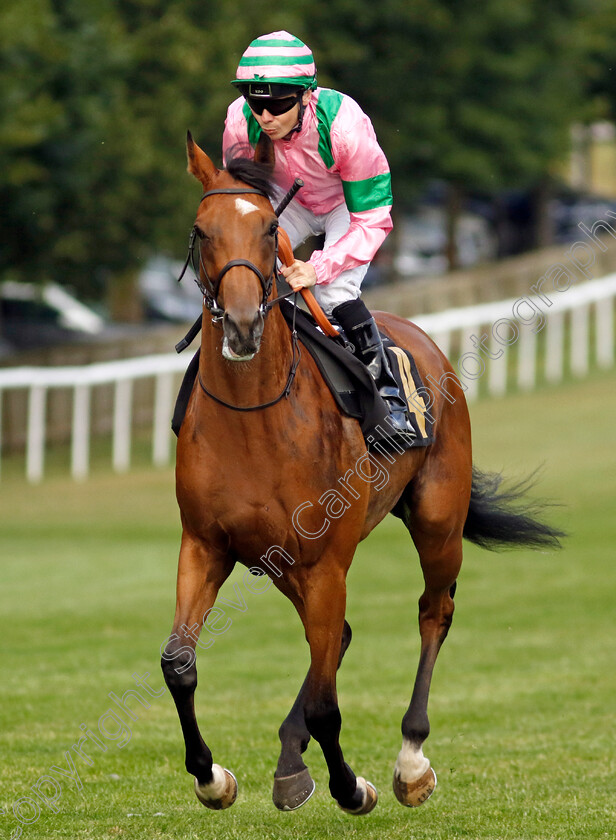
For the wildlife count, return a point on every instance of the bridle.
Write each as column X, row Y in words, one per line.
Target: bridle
column 211, row 287
column 210, row 290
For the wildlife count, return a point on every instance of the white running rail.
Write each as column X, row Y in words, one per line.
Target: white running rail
column 486, row 334
column 480, row 338
column 121, row 374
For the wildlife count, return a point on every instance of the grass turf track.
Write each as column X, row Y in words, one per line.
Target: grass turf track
column 522, row 705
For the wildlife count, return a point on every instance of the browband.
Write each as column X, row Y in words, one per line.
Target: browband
column 233, row 191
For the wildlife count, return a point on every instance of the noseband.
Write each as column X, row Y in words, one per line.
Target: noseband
column 211, row 287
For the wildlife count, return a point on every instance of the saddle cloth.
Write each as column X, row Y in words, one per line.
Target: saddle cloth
column 349, row 381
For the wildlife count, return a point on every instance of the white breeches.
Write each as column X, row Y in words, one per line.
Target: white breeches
column 300, row 223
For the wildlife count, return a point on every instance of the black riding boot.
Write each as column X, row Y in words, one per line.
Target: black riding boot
column 362, row 331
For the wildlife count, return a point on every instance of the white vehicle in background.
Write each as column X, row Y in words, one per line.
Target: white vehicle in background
column 163, row 298
column 38, row 316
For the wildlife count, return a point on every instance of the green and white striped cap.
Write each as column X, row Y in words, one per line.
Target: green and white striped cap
column 275, row 59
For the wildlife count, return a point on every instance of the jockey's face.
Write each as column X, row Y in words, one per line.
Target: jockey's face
column 278, row 126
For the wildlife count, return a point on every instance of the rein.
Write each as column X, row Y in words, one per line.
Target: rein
column 295, row 359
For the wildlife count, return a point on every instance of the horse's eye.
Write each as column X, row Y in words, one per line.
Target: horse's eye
column 273, row 228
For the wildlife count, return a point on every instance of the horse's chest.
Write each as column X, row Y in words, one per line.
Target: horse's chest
column 253, row 503
column 252, row 490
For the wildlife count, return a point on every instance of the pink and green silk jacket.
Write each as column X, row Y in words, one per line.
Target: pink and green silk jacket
column 339, row 159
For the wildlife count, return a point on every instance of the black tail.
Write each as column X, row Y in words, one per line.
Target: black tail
column 498, row 520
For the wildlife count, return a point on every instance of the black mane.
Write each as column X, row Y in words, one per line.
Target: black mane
column 246, row 169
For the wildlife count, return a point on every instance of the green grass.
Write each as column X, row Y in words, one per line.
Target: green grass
column 522, row 706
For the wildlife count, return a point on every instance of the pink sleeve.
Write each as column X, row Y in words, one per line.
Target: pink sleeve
column 367, row 232
column 364, row 171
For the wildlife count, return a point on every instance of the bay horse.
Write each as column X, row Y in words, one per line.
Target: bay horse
column 262, row 435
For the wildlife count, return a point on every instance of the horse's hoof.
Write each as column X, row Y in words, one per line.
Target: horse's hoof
column 369, row 798
column 415, row 793
column 221, row 792
column 291, row 792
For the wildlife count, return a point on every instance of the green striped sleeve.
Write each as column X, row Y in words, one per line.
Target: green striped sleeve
column 328, row 105
column 368, row 194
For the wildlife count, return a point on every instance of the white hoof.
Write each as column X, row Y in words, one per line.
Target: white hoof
column 369, row 798
column 414, row 779
column 221, row 792
column 414, row 794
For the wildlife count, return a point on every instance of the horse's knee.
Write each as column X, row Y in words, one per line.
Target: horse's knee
column 178, row 666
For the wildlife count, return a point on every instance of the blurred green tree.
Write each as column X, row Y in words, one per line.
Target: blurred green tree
column 479, row 94
column 96, row 96
column 599, row 32
column 95, row 100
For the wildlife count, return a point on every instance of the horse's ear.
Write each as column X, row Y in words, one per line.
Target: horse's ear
column 199, row 163
column 264, row 153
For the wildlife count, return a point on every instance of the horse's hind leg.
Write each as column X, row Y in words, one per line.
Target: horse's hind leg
column 435, row 519
column 293, row 785
column 200, row 576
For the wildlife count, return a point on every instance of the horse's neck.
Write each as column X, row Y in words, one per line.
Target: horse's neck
column 247, row 383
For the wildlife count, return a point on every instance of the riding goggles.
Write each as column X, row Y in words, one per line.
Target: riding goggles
column 275, row 107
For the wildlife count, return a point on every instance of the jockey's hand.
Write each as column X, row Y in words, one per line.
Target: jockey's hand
column 299, row 275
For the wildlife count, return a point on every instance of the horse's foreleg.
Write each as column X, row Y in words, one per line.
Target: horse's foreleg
column 414, row 779
column 293, row 785
column 323, row 607
column 200, row 576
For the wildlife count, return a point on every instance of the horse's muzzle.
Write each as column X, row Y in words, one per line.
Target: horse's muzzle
column 242, row 337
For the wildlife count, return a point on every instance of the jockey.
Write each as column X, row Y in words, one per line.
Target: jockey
column 323, row 137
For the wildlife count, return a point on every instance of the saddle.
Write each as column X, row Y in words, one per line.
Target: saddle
column 352, row 386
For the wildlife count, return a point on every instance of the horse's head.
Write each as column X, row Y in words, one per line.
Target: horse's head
column 235, row 244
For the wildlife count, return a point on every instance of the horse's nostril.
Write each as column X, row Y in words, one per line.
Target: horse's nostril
column 243, row 334
column 257, row 326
